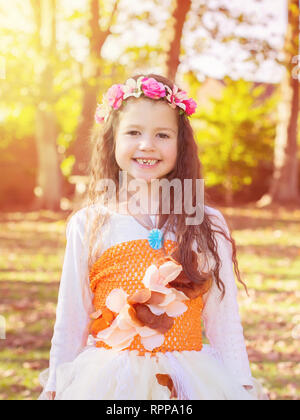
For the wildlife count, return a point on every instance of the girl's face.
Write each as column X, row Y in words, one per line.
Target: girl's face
column 147, row 129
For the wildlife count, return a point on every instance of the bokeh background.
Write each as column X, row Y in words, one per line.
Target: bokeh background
column 240, row 61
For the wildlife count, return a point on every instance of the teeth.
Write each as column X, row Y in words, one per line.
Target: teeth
column 148, row 162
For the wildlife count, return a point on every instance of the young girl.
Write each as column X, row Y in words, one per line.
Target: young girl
column 136, row 286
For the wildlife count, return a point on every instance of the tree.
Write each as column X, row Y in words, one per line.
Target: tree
column 48, row 174
column 170, row 47
column 190, row 15
column 179, row 16
column 284, row 186
column 90, row 84
column 239, row 127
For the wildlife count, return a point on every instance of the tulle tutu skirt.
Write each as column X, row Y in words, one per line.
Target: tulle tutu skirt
column 101, row 374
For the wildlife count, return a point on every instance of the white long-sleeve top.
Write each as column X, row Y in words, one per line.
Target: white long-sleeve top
column 221, row 318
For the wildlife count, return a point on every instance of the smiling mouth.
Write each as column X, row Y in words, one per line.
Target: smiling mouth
column 147, row 162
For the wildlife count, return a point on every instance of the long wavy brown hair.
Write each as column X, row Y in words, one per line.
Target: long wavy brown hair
column 103, row 165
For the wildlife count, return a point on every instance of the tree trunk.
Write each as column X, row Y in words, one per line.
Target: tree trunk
column 179, row 16
column 284, row 187
column 48, row 189
column 92, row 72
column 81, row 146
column 49, row 175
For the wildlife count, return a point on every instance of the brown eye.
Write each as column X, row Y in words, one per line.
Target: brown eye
column 133, row 133
column 163, row 136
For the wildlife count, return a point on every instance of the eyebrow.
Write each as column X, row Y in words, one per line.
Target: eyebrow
column 157, row 128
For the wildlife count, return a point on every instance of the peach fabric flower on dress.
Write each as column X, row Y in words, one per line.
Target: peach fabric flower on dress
column 155, row 306
column 101, row 320
column 124, row 328
column 170, row 299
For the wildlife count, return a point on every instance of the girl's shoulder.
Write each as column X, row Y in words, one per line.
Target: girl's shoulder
column 218, row 220
column 214, row 213
column 81, row 218
column 211, row 210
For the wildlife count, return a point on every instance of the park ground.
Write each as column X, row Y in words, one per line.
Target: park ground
column 32, row 250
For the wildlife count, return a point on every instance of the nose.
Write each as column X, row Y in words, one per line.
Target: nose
column 146, row 143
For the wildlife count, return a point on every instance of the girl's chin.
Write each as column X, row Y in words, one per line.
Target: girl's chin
column 143, row 172
column 148, row 178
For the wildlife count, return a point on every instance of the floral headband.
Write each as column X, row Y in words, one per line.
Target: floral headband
column 146, row 86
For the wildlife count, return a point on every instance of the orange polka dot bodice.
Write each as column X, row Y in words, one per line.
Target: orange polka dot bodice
column 123, row 266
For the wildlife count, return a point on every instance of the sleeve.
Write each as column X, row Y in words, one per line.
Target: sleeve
column 72, row 312
column 221, row 318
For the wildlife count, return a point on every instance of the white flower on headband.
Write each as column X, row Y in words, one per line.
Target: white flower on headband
column 102, row 112
column 176, row 97
column 133, row 88
column 149, row 87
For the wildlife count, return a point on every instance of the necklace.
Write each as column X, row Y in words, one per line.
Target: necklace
column 155, row 236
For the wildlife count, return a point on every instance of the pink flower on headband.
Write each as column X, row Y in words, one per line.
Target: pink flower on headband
column 177, row 97
column 115, row 96
column 190, row 106
column 149, row 87
column 152, row 88
column 180, row 98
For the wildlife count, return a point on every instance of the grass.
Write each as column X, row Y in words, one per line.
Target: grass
column 269, row 260
column 31, row 257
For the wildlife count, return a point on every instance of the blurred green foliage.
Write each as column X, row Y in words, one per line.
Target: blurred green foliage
column 235, row 134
